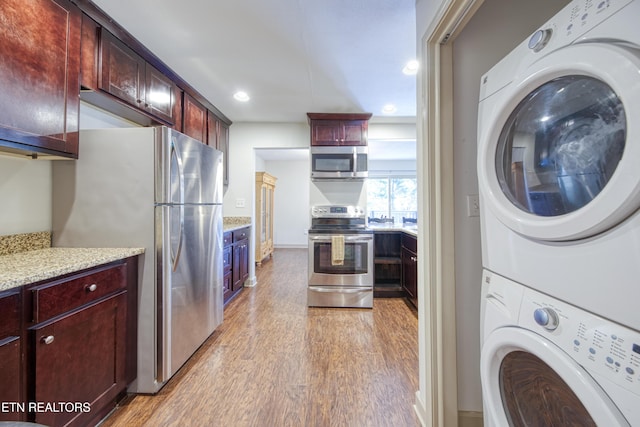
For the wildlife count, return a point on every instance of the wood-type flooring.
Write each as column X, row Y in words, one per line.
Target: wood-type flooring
column 275, row 362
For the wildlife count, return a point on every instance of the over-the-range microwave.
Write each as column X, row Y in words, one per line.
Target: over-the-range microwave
column 339, row 162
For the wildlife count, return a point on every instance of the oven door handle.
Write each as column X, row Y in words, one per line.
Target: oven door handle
column 338, row 289
column 347, row 238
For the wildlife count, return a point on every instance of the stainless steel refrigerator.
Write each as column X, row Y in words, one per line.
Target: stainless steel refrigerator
column 158, row 189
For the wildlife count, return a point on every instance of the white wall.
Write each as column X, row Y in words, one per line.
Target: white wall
column 25, row 184
column 496, row 28
column 25, row 191
column 291, row 202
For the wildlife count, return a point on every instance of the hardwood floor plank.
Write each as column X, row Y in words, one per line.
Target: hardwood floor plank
column 276, row 362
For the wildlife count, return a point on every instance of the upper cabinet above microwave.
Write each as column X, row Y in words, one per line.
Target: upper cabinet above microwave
column 338, row 129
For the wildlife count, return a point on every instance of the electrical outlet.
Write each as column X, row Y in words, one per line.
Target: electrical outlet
column 239, row 203
column 473, row 205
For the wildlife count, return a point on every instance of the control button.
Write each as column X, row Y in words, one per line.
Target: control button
column 602, row 4
column 546, row 318
column 609, row 359
column 584, row 17
column 614, row 337
column 576, row 342
column 617, row 364
column 592, row 350
column 569, row 27
column 539, row 39
column 630, row 371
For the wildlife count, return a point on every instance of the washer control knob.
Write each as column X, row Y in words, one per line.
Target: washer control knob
column 547, row 318
column 539, row 39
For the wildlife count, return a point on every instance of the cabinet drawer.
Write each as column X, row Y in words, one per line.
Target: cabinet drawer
column 241, row 234
column 9, row 314
column 410, row 242
column 227, row 238
column 55, row 298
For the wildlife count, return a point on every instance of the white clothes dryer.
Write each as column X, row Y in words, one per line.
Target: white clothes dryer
column 548, row 363
column 559, row 160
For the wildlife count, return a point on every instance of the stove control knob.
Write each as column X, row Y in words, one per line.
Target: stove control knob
column 539, row 39
column 547, row 318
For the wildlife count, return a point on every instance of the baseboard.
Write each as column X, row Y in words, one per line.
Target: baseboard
column 420, row 409
column 470, row 419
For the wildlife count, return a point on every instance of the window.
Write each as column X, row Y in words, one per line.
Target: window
column 392, row 197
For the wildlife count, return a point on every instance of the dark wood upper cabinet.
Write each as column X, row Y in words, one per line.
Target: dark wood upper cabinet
column 159, row 94
column 121, row 71
column 218, row 137
column 127, row 76
column 40, row 76
column 339, row 129
column 194, row 119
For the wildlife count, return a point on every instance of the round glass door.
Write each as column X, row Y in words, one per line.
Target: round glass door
column 557, row 147
column 561, row 145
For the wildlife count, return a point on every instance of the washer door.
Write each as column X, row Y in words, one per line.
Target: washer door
column 559, row 160
column 529, row 381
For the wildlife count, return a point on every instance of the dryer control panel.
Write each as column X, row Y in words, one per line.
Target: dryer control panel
column 597, row 344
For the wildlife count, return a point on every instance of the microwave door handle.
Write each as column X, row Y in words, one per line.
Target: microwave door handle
column 355, row 161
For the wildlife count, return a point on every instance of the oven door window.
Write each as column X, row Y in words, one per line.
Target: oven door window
column 332, row 163
column 355, row 258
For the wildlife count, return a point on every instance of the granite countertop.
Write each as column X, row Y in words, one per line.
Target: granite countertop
column 409, row 229
column 231, row 223
column 32, row 266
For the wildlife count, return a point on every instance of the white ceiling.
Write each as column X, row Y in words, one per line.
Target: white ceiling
column 290, row 56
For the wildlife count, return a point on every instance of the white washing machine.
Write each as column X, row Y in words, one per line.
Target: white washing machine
column 559, row 160
column 548, row 363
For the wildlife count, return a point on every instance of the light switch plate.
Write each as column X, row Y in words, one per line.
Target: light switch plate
column 239, row 203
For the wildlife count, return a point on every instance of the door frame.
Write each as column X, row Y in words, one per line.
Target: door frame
column 437, row 400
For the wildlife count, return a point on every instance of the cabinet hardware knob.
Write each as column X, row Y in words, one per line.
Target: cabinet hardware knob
column 48, row 339
column 414, row 258
column 91, row 288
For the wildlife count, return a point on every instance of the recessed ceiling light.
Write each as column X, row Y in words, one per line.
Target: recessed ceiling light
column 241, row 96
column 411, row 68
column 389, row 109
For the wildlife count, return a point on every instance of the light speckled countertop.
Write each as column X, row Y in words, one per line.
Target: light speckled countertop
column 32, row 266
column 231, row 223
column 409, row 229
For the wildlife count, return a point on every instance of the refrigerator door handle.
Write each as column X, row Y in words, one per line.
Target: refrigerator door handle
column 180, row 174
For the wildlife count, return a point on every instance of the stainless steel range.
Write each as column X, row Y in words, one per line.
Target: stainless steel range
column 340, row 258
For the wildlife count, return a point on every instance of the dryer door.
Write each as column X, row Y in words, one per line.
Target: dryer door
column 559, row 159
column 529, row 381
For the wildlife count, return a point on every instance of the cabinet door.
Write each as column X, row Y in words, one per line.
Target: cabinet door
column 11, row 389
column 194, row 119
column 122, row 71
column 40, row 74
column 239, row 260
column 325, row 132
column 89, row 54
column 410, row 273
column 159, row 94
column 354, row 132
column 80, row 358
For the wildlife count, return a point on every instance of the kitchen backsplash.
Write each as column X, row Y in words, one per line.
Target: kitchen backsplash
column 23, row 242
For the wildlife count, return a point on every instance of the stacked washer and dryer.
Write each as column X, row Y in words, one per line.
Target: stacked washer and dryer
column 559, row 183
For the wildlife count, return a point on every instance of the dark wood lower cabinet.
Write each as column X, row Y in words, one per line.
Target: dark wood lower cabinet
column 410, row 268
column 68, row 346
column 235, row 261
column 11, row 372
column 79, row 362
